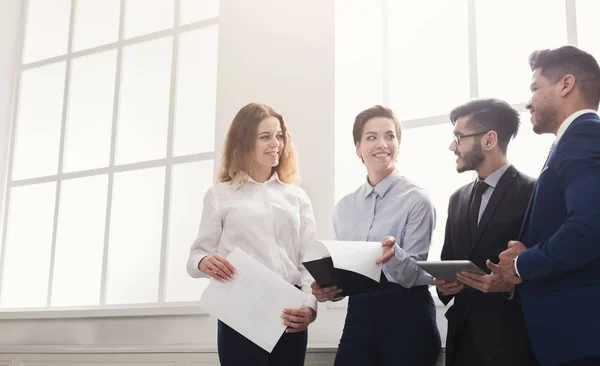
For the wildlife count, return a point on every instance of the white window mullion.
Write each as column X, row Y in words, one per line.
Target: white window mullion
column 472, row 31
column 571, row 13
column 61, row 148
column 13, row 128
column 164, row 250
column 385, row 54
column 113, row 143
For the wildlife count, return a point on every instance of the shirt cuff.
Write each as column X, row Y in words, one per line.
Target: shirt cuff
column 311, row 302
column 193, row 269
column 516, row 267
column 399, row 256
column 509, row 295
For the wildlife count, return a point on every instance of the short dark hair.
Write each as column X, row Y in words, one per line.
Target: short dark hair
column 556, row 63
column 376, row 111
column 490, row 114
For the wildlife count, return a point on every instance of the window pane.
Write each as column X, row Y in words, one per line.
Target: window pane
column 47, row 29
column 357, row 82
column 135, row 236
column 588, row 26
column 189, row 185
column 194, row 10
column 428, row 57
column 529, row 151
column 144, row 102
column 79, row 242
column 96, row 23
column 89, row 122
column 28, row 245
column 39, row 120
column 503, row 47
column 147, row 16
column 440, row 179
column 196, row 92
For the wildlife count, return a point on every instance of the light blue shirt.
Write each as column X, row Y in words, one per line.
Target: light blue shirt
column 394, row 207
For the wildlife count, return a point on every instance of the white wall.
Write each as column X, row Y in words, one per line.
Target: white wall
column 279, row 52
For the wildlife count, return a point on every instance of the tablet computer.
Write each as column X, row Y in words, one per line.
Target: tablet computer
column 447, row 270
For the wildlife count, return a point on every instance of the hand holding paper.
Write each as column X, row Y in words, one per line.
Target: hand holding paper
column 252, row 302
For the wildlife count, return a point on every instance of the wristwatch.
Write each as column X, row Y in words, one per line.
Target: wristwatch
column 514, row 267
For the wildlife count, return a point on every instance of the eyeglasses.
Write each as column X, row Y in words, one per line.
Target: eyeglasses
column 457, row 138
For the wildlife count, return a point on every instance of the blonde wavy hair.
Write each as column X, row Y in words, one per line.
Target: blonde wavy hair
column 238, row 152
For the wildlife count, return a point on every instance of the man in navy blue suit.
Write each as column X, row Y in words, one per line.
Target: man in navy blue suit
column 556, row 262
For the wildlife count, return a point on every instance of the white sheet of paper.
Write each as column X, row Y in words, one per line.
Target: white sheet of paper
column 356, row 256
column 252, row 302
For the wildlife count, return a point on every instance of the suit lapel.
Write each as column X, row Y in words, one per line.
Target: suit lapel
column 503, row 184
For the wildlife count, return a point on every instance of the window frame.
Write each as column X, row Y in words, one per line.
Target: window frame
column 102, row 309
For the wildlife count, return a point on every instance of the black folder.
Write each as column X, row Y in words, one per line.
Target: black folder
column 350, row 282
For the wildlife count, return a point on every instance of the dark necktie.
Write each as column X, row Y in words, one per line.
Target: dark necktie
column 480, row 188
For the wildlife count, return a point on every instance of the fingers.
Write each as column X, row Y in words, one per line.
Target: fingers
column 388, row 240
column 296, row 320
column 438, row 282
column 492, row 266
column 325, row 293
column 224, row 265
column 217, row 267
column 385, row 257
column 448, row 287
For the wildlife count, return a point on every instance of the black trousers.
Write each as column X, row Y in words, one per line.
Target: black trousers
column 390, row 326
column 237, row 350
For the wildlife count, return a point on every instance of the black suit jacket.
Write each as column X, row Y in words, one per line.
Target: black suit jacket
column 496, row 322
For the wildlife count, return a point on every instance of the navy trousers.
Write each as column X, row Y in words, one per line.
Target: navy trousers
column 390, row 326
column 237, row 350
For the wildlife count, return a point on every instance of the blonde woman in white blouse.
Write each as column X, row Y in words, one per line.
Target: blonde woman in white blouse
column 257, row 207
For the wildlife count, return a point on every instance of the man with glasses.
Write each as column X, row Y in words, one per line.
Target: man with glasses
column 485, row 323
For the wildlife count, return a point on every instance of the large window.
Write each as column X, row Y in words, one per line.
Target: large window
column 112, row 149
column 424, row 58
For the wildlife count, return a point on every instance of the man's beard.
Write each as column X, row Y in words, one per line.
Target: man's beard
column 472, row 160
column 544, row 120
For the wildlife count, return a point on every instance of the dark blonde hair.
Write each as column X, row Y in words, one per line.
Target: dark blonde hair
column 376, row 111
column 240, row 142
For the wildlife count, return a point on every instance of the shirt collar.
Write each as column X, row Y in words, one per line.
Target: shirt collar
column 384, row 186
column 493, row 179
column 239, row 181
column 567, row 122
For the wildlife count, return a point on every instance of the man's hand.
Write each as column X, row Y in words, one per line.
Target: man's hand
column 298, row 319
column 324, row 293
column 493, row 282
column 217, row 267
column 389, row 246
column 448, row 287
column 506, row 261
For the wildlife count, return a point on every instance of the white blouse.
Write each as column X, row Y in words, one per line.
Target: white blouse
column 272, row 221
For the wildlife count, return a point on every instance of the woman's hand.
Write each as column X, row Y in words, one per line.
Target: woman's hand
column 389, row 245
column 217, row 267
column 298, row 320
column 324, row 293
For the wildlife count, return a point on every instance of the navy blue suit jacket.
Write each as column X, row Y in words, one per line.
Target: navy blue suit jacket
column 560, row 294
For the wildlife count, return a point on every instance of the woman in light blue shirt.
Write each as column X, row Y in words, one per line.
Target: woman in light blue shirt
column 396, row 324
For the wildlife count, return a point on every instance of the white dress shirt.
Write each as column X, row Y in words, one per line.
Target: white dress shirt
column 492, row 181
column 272, row 221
